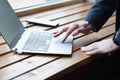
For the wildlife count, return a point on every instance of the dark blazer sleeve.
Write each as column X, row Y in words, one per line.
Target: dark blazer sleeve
column 100, row 13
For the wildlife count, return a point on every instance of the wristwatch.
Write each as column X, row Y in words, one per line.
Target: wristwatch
column 116, row 38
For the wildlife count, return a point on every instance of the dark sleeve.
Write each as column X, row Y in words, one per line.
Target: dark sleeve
column 100, row 13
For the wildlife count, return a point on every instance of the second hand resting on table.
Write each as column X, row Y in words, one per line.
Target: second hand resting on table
column 102, row 47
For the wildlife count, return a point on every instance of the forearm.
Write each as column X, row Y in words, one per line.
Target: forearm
column 100, row 13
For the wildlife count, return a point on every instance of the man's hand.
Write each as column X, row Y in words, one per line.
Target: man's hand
column 102, row 47
column 76, row 28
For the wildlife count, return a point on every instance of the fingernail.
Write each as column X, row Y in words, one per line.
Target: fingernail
column 83, row 48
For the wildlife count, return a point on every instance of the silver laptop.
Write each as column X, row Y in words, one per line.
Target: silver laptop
column 22, row 40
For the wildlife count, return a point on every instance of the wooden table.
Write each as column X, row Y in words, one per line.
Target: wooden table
column 52, row 67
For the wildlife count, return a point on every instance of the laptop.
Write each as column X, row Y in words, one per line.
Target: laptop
column 23, row 40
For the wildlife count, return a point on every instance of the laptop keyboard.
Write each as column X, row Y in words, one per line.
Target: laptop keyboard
column 38, row 41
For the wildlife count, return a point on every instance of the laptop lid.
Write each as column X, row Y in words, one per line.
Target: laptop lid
column 10, row 25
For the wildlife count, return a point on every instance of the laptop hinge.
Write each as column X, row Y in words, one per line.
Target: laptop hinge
column 16, row 50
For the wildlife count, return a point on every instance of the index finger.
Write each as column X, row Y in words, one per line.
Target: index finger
column 61, row 30
column 69, row 31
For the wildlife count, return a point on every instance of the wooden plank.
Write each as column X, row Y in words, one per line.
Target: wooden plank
column 4, row 49
column 52, row 71
column 71, row 18
column 11, row 58
column 66, row 9
column 53, row 11
column 66, row 13
column 2, row 41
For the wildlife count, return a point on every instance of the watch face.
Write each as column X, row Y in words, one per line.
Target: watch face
column 115, row 41
column 117, row 37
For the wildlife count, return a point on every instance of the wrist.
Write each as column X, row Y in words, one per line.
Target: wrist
column 91, row 26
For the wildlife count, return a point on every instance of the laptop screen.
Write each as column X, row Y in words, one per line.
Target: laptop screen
column 10, row 26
